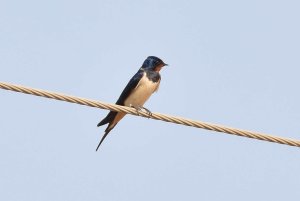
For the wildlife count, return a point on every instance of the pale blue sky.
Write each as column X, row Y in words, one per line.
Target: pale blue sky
column 234, row 63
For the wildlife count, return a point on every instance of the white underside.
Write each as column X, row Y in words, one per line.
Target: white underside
column 138, row 96
column 142, row 92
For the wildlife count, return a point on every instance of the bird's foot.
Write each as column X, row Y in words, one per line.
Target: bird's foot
column 147, row 111
column 137, row 108
column 140, row 108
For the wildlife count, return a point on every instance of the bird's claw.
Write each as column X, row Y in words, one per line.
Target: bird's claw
column 147, row 111
column 140, row 108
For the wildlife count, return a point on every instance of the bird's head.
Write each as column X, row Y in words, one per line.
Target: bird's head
column 153, row 63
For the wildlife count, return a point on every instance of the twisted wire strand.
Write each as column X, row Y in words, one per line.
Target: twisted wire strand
column 157, row 116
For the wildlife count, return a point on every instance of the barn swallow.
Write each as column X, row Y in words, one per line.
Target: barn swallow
column 136, row 93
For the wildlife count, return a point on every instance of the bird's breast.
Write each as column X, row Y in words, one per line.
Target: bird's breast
column 142, row 92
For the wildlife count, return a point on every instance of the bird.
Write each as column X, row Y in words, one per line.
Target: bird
column 138, row 90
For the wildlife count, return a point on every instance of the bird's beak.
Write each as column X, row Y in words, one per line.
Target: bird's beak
column 166, row 64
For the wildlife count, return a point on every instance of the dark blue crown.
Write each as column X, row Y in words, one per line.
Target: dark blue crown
column 152, row 62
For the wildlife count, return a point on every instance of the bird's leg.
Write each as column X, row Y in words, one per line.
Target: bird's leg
column 148, row 111
column 139, row 108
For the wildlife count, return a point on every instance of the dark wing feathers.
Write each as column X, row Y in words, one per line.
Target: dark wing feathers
column 109, row 118
column 133, row 82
